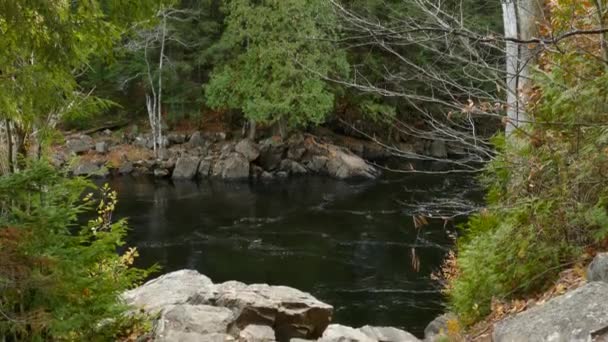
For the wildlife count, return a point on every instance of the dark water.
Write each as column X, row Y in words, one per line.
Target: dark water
column 349, row 244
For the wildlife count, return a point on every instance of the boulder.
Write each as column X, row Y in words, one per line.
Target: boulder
column 80, row 144
column 292, row 167
column 598, row 269
column 573, row 316
column 236, row 166
column 182, row 336
column 342, row 333
column 87, row 168
column 176, row 138
column 290, row 312
column 141, row 141
column 257, row 333
column 271, row 154
column 200, row 319
column 204, row 168
column 233, row 167
column 101, row 147
column 318, row 164
column 438, row 327
column 248, row 149
column 388, row 334
column 169, row 289
column 296, row 153
column 161, row 173
column 125, row 168
column 343, row 164
column 186, row 168
column 196, row 139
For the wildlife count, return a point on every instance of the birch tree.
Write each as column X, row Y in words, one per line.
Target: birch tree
column 521, row 19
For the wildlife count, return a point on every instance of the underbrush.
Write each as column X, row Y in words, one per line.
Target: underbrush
column 60, row 280
column 547, row 196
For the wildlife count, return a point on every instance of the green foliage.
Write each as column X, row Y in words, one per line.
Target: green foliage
column 547, row 198
column 60, row 280
column 281, row 52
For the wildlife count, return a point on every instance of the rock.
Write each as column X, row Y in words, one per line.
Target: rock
column 106, row 132
column 300, row 340
column 80, row 144
column 58, row 159
column 282, row 174
column 266, row 176
column 438, row 149
column 234, row 167
column 176, row 138
column 257, row 333
column 296, row 153
column 204, row 168
column 291, row 313
column 388, row 334
column 248, row 148
column 318, row 164
column 85, row 168
column 598, row 269
column 161, row 173
column 169, row 289
column 101, row 147
column 271, row 154
column 199, row 319
column 126, row 168
column 569, row 317
column 196, row 139
column 342, row 333
column 186, row 168
column 438, row 327
column 141, row 141
column 179, row 336
column 343, row 164
column 292, row 167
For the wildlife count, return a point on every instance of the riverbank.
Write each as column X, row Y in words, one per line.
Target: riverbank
column 191, row 307
column 223, row 155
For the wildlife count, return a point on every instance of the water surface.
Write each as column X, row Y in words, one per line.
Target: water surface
column 350, row 244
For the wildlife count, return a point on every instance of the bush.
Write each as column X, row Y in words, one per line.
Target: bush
column 547, row 198
column 59, row 280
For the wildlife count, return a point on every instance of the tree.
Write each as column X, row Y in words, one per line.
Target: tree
column 280, row 52
column 44, row 46
column 521, row 19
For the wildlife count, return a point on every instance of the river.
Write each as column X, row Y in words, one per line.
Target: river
column 350, row 244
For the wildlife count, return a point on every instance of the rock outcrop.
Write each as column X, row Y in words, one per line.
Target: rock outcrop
column 212, row 156
column 191, row 308
column 189, row 303
column 598, row 269
column 579, row 315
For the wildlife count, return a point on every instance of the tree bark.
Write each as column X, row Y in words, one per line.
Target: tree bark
column 520, row 23
column 9, row 147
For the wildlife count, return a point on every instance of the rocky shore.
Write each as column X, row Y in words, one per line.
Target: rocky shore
column 220, row 155
column 190, row 307
column 209, row 155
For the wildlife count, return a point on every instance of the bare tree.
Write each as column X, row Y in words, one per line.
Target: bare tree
column 157, row 38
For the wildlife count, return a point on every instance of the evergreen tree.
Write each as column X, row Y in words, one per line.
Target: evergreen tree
column 281, row 51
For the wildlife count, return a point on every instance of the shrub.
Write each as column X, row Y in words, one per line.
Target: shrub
column 60, row 280
column 547, row 197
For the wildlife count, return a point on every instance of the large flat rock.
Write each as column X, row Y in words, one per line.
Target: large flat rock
column 569, row 318
column 290, row 312
column 169, row 289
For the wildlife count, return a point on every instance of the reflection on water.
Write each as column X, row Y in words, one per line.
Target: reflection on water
column 349, row 244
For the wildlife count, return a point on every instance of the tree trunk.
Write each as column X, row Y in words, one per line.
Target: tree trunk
column 9, row 147
column 520, row 23
column 252, row 128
